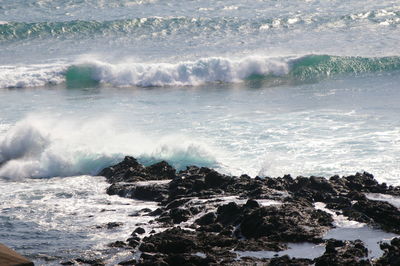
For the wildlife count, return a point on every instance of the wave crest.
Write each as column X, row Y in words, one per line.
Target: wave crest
column 192, row 73
column 41, row 147
column 280, row 70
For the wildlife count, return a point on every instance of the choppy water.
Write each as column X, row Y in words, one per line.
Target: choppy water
column 257, row 87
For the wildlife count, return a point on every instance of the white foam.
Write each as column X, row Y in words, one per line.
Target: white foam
column 21, row 76
column 395, row 201
column 73, row 206
column 189, row 73
column 41, row 146
column 339, row 220
column 185, row 73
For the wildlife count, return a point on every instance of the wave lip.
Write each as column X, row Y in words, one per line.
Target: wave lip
column 191, row 73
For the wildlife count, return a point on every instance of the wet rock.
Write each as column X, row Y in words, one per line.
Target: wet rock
column 128, row 262
column 156, row 212
column 391, row 254
column 94, row 262
column 223, row 227
column 343, row 253
column 117, row 244
column 139, row 231
column 130, row 170
column 175, row 259
column 179, row 215
column 113, row 225
column 260, row 244
column 176, row 203
column 251, row 204
column 70, row 262
column 214, row 227
column 379, row 213
column 161, row 170
column 229, row 213
column 188, row 259
column 150, row 192
column 175, row 240
column 133, row 242
column 110, row 225
column 213, row 179
column 206, row 219
column 286, row 223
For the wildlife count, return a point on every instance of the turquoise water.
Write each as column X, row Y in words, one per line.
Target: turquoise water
column 256, row 87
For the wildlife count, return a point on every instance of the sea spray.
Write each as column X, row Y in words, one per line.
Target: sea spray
column 42, row 146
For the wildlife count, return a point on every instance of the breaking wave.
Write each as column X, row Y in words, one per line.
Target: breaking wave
column 41, row 147
column 194, row 73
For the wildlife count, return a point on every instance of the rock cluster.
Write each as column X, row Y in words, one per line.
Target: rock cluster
column 209, row 217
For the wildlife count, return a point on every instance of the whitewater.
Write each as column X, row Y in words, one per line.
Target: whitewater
column 264, row 88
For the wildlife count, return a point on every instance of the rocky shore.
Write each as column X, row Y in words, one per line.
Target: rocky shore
column 207, row 218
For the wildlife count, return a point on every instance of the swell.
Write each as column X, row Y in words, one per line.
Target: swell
column 281, row 70
column 321, row 66
column 164, row 26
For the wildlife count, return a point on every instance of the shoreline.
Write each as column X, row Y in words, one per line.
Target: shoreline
column 207, row 218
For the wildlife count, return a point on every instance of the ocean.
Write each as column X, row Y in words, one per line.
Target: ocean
column 266, row 88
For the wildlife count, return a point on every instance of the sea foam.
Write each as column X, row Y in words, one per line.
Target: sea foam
column 41, row 147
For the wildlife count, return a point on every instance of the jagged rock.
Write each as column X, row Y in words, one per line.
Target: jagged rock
column 392, row 253
column 173, row 241
column 151, row 192
column 206, row 219
column 130, row 170
column 379, row 213
column 223, row 227
column 179, row 215
column 285, row 223
column 344, row 253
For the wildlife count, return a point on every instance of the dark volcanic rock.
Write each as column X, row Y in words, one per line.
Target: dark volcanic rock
column 392, row 253
column 286, row 260
column 152, row 192
column 117, row 244
column 94, row 262
column 376, row 213
column 286, row 223
column 179, row 215
column 139, row 231
column 130, row 170
column 223, row 227
column 343, row 253
column 113, row 225
column 206, row 219
column 174, row 259
column 174, row 241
